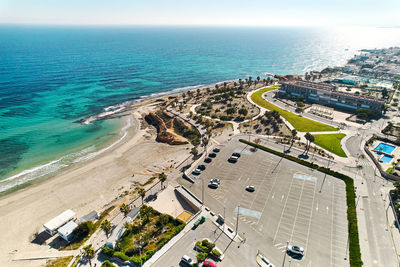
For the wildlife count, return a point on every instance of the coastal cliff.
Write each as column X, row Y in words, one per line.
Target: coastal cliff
column 165, row 128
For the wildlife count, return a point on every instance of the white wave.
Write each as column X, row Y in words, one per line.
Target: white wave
column 56, row 165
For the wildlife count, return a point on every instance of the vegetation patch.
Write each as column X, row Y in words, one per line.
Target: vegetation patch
column 60, row 262
column 149, row 232
column 331, row 142
column 354, row 245
column 300, row 123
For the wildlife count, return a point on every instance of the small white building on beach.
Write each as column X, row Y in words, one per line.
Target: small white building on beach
column 65, row 232
column 54, row 224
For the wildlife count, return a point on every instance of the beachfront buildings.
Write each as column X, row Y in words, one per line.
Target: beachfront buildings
column 328, row 95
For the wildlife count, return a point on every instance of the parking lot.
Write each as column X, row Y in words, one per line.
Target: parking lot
column 287, row 205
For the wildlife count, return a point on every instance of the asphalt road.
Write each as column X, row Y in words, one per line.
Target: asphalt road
column 286, row 206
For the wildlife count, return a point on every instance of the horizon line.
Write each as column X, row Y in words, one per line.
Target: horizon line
column 192, row 25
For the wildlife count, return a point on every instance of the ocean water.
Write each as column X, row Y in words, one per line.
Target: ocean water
column 52, row 76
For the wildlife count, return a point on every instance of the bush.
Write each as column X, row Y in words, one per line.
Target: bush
column 83, row 230
column 130, row 251
column 107, row 251
column 216, row 253
column 107, row 263
column 201, row 256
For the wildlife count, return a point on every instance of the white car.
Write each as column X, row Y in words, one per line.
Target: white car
column 267, row 262
column 296, row 250
column 217, row 181
column 187, row 259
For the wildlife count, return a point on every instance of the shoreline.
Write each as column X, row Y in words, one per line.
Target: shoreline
column 110, row 112
column 90, row 185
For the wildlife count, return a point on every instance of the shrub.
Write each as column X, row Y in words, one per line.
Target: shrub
column 201, row 256
column 107, row 251
column 130, row 251
column 107, row 263
column 216, row 253
column 83, row 230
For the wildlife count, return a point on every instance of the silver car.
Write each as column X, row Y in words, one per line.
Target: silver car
column 296, row 250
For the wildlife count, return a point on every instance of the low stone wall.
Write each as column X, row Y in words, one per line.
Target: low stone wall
column 383, row 173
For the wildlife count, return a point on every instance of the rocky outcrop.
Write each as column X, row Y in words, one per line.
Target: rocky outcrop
column 165, row 134
column 287, row 77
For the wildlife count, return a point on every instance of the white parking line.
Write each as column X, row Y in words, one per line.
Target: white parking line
column 297, row 211
column 284, row 207
column 309, row 223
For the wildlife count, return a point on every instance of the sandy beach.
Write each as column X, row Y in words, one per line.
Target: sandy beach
column 91, row 186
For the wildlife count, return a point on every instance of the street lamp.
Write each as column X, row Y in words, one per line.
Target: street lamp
column 284, row 257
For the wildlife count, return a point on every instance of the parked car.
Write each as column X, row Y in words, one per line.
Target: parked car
column 201, row 167
column 217, row 181
column 212, row 155
column 216, row 150
column 213, row 185
column 296, row 250
column 196, row 172
column 208, row 263
column 267, row 262
column 250, row 188
column 207, row 160
column 236, row 154
column 233, row 159
column 188, row 260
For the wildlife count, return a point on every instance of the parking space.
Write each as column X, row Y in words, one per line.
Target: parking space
column 287, row 205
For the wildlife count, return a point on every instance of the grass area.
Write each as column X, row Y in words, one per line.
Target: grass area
column 144, row 236
column 60, row 262
column 300, row 123
column 354, row 243
column 389, row 170
column 331, row 142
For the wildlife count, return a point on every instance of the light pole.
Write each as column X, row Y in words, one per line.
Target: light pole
column 237, row 220
column 284, row 257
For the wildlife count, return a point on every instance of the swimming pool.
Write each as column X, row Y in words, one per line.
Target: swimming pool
column 385, row 148
column 386, row 159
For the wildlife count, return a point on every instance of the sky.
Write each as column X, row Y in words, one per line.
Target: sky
column 204, row 12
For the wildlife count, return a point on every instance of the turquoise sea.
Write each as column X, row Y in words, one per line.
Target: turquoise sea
column 53, row 76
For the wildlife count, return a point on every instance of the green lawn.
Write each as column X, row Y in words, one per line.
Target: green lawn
column 331, row 142
column 300, row 123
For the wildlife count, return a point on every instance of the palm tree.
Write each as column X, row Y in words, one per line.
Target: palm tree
column 194, row 151
column 124, row 209
column 142, row 193
column 88, row 252
column 205, row 143
column 146, row 211
column 106, row 226
column 310, row 138
column 294, row 133
column 162, row 177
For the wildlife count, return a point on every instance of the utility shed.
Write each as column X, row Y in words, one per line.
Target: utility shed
column 65, row 232
column 54, row 224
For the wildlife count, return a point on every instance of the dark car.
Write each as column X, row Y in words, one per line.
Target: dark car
column 201, row 167
column 207, row 160
column 216, row 150
column 212, row 155
column 213, row 185
column 236, row 154
column 233, row 159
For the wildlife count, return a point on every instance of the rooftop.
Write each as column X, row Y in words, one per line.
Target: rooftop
column 60, row 220
column 328, row 88
column 67, row 229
